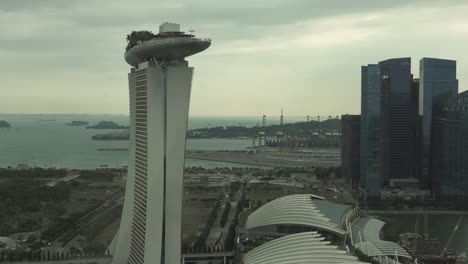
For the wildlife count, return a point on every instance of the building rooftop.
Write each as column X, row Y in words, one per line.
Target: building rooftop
column 169, row 44
column 301, row 209
column 304, row 248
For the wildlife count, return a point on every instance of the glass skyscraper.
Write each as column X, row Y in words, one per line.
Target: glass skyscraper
column 438, row 78
column 370, row 171
column 396, row 119
column 449, row 148
column 350, row 144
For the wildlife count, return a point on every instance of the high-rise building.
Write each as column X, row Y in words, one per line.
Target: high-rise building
column 160, row 82
column 416, row 130
column 438, row 78
column 449, row 148
column 350, row 152
column 396, row 117
column 370, row 168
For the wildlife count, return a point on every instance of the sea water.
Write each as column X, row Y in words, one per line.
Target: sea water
column 46, row 141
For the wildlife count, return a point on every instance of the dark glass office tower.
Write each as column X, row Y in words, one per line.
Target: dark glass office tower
column 449, row 148
column 396, row 116
column 438, row 78
column 370, row 171
column 416, row 130
column 350, row 144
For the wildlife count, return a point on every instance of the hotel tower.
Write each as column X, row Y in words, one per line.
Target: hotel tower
column 159, row 83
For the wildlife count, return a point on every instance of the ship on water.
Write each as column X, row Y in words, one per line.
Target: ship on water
column 124, row 135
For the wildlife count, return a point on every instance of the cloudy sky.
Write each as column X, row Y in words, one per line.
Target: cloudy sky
column 303, row 56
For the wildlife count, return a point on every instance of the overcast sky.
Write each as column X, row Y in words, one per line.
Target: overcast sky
column 303, row 56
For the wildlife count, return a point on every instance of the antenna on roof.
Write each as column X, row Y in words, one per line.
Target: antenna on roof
column 191, row 30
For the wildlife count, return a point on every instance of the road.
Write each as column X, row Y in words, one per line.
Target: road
column 285, row 159
column 217, row 233
column 64, row 179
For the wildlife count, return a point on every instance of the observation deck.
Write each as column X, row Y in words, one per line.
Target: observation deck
column 169, row 44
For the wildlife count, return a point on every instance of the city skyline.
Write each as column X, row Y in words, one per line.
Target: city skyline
column 53, row 43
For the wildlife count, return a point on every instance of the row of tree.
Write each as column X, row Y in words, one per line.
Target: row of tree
column 32, row 173
column 229, row 243
column 9, row 256
column 201, row 241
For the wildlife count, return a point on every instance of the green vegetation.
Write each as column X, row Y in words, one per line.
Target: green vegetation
column 231, row 235
column 32, row 173
column 200, row 243
column 135, row 37
column 4, row 124
column 98, row 175
column 22, row 199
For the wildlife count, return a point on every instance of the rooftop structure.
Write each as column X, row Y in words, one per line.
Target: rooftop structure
column 366, row 236
column 303, row 222
column 301, row 210
column 8, row 242
column 308, row 247
column 169, row 44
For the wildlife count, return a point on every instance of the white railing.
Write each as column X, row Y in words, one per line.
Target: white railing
column 168, row 40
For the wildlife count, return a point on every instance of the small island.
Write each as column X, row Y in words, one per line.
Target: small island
column 107, row 125
column 78, row 123
column 4, row 124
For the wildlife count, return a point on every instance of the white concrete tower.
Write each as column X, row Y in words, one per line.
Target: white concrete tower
column 160, row 83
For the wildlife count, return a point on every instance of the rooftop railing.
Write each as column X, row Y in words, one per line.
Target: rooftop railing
column 169, row 40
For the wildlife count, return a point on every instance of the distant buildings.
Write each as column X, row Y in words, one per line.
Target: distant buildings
column 350, row 144
column 449, row 148
column 398, row 116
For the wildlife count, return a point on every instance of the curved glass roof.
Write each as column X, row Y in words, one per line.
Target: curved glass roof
column 366, row 236
column 300, row 209
column 8, row 241
column 302, row 248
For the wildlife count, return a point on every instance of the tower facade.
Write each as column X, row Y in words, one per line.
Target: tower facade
column 350, row 152
column 159, row 85
column 437, row 79
column 396, row 117
column 370, row 162
column 449, row 148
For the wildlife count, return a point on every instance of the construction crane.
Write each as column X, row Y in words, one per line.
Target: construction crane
column 452, row 235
